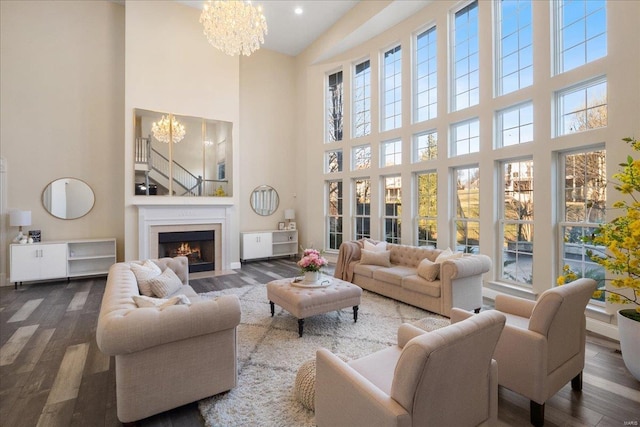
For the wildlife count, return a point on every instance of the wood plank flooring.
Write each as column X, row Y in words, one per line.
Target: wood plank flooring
column 52, row 373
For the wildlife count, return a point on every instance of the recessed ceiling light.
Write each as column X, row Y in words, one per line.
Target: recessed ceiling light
column 298, row 10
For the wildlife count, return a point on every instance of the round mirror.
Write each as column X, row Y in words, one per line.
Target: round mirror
column 264, row 200
column 68, row 198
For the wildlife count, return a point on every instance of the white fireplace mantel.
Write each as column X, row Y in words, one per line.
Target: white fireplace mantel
column 174, row 215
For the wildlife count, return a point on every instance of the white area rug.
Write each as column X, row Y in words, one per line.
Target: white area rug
column 270, row 353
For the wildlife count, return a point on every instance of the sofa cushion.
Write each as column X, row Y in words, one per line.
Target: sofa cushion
column 143, row 301
column 417, row 284
column 165, row 284
column 428, row 270
column 144, row 272
column 393, row 274
column 375, row 258
column 365, row 270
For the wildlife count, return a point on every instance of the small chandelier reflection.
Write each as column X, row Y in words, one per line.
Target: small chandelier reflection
column 167, row 130
column 235, row 27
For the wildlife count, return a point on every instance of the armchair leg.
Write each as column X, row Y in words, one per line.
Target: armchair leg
column 576, row 382
column 477, row 310
column 537, row 414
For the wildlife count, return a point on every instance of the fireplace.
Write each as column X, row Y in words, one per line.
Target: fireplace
column 156, row 219
column 197, row 246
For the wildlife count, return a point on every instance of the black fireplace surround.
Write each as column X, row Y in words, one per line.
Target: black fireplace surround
column 197, row 246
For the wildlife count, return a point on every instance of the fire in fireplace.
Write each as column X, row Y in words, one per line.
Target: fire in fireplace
column 197, row 246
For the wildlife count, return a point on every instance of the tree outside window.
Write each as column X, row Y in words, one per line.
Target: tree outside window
column 334, row 107
column 517, row 222
column 467, row 221
column 427, row 206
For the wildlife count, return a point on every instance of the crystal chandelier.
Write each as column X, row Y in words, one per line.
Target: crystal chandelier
column 235, row 27
column 167, row 130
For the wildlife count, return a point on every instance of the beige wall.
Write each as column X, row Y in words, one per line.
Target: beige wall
column 267, row 123
column 62, row 85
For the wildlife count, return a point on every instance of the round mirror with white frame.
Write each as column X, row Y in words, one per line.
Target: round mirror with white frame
column 68, row 198
column 264, row 200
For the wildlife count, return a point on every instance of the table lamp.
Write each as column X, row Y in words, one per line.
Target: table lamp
column 19, row 219
column 289, row 214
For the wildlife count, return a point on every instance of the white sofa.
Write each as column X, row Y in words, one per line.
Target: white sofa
column 459, row 283
column 170, row 357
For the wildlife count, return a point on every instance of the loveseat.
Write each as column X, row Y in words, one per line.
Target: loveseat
column 166, row 357
column 456, row 283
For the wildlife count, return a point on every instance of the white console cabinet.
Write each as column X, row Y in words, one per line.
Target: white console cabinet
column 268, row 244
column 38, row 261
column 59, row 260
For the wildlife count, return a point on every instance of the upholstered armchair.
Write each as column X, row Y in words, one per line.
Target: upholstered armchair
column 542, row 346
column 439, row 378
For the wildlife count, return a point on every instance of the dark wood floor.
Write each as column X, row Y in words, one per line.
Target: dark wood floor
column 52, row 373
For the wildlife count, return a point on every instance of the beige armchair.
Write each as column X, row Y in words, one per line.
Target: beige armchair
column 440, row 378
column 542, row 345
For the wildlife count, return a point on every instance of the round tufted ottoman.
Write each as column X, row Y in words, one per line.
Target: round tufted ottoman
column 305, row 387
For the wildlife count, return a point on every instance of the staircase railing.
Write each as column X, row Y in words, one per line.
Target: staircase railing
column 191, row 184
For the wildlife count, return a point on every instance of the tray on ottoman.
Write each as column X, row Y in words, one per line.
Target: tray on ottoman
column 306, row 301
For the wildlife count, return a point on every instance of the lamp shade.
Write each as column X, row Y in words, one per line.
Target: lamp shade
column 289, row 214
column 19, row 218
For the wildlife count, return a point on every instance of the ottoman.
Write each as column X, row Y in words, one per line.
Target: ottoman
column 304, row 302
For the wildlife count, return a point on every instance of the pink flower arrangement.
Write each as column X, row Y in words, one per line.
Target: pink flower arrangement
column 312, row 260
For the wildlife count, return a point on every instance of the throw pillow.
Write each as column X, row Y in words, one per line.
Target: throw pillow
column 375, row 258
column 448, row 254
column 375, row 247
column 165, row 284
column 428, row 270
column 144, row 272
column 145, row 301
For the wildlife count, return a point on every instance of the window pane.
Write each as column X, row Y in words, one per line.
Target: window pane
column 515, row 125
column 465, row 137
column 583, row 107
column 425, row 146
column 362, row 99
column 361, row 157
column 392, row 208
column 333, row 161
column 465, row 83
column 334, row 107
column 583, row 209
column 362, row 217
column 391, row 90
column 427, row 208
column 425, row 95
column 581, row 32
column 391, row 153
column 517, row 222
column 334, row 214
column 585, row 185
column 467, row 209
